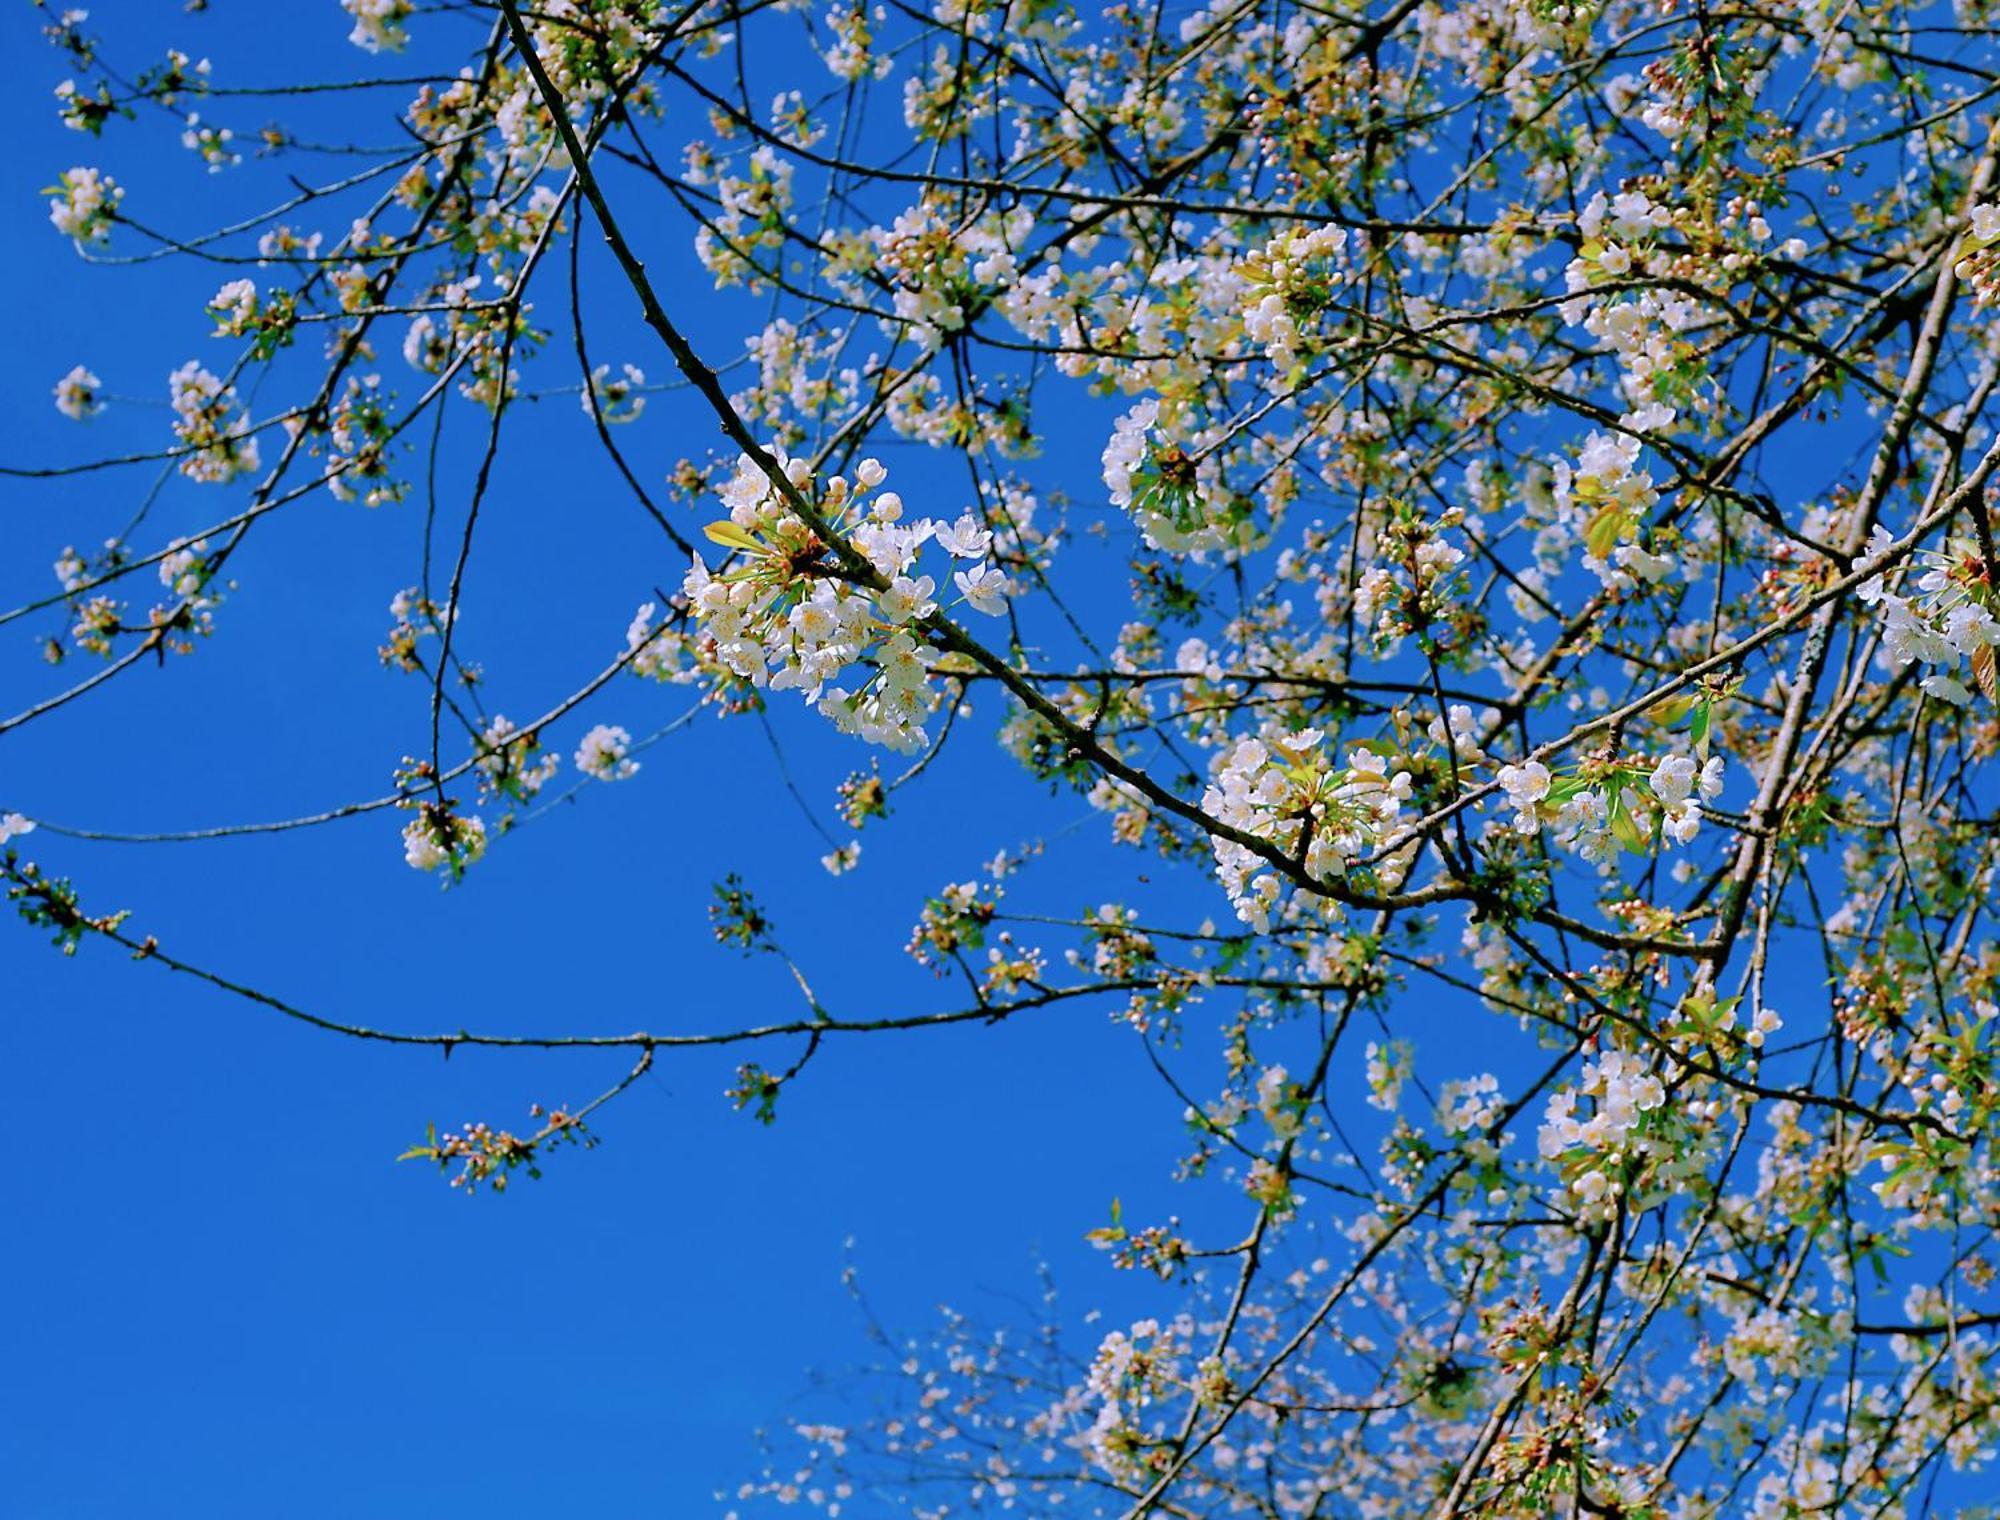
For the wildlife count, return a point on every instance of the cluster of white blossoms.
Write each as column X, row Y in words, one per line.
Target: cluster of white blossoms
column 1281, row 788
column 1126, row 453
column 1278, row 1103
column 1162, row 478
column 358, row 430
column 798, row 375
column 1132, row 1371
column 752, row 218
column 184, row 569
column 432, row 345
column 286, row 242
column 207, row 423
column 71, row 570
column 426, row 345
column 76, row 394
column 435, row 839
column 656, row 653
column 1947, row 621
column 234, row 308
column 942, row 272
column 849, row 56
column 1625, row 1092
column 510, row 763
column 512, row 768
column 1388, row 1067
column 1978, row 263
column 1476, row 35
column 604, row 754
column 613, row 400
column 378, row 24
column 1645, row 327
column 212, row 144
column 1639, row 325
column 1471, row 1103
column 1589, row 817
column 1675, row 780
column 1809, row 1482
column 1292, row 279
column 1603, row 501
column 792, row 616
column 1785, row 1344
column 83, row 112
column 84, row 204
column 1415, row 579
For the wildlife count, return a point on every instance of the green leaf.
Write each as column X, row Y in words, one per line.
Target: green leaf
column 1601, row 537
column 1670, row 710
column 1566, row 787
column 730, row 536
column 1625, row 828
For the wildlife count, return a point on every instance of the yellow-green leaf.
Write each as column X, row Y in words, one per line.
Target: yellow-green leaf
column 1601, row 537
column 1625, row 828
column 1670, row 710
column 730, row 536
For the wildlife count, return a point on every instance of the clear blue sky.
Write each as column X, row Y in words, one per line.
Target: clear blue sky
column 224, row 1297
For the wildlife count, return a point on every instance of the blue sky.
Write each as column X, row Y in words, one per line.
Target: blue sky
column 226, row 1298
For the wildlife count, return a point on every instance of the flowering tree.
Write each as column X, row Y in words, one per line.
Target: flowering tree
column 1546, row 483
